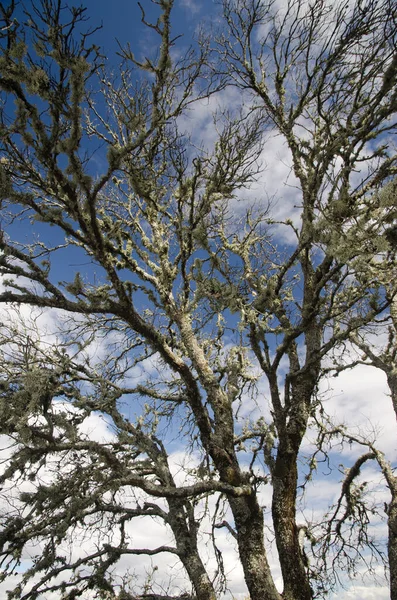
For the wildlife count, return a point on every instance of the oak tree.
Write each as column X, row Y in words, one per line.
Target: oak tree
column 197, row 299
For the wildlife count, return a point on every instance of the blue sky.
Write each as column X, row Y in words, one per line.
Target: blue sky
column 121, row 20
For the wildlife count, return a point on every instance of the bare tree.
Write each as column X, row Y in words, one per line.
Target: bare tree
column 325, row 75
column 175, row 284
column 380, row 351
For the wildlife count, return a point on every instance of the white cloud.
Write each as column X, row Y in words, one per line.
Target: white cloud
column 191, row 6
column 359, row 398
column 365, row 592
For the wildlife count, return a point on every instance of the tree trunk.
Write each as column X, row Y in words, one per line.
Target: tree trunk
column 392, row 545
column 285, row 477
column 392, row 510
column 248, row 519
column 186, row 543
column 392, row 383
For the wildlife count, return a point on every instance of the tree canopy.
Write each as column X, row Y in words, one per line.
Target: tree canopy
column 195, row 315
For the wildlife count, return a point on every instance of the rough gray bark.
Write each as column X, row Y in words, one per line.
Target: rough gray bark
column 392, row 542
